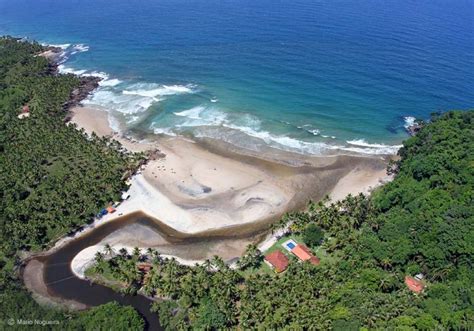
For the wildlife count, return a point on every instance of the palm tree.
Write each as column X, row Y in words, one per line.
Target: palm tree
column 99, row 257
column 123, row 252
column 149, row 252
column 157, row 258
column 136, row 253
column 218, row 263
column 108, row 250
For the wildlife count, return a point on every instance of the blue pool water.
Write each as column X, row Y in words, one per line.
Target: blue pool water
column 303, row 75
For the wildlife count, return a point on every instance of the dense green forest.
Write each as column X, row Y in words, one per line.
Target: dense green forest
column 53, row 179
column 421, row 222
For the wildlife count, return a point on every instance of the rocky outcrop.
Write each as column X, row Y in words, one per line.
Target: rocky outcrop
column 414, row 128
column 87, row 85
column 55, row 55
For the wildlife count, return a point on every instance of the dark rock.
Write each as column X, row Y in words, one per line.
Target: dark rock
column 87, row 85
column 413, row 129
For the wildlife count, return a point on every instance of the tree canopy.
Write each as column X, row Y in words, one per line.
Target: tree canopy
column 53, row 178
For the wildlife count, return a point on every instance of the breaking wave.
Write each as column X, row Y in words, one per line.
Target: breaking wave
column 135, row 98
column 154, row 90
column 117, row 95
column 211, row 122
column 62, row 46
column 131, row 99
column 409, row 121
column 363, row 143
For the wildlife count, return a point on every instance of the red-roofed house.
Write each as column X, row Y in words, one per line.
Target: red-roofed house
column 304, row 254
column 277, row 260
column 314, row 259
column 25, row 112
column 301, row 253
column 414, row 285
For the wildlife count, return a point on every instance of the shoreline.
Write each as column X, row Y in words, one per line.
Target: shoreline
column 203, row 187
column 192, row 186
column 32, row 275
column 177, row 210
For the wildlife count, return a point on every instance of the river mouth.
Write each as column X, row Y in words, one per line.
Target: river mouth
column 139, row 229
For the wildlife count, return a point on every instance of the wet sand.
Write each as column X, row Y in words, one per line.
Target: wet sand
column 204, row 186
column 34, row 282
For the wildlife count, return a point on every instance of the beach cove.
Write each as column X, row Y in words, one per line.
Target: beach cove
column 205, row 199
column 236, row 165
column 194, row 198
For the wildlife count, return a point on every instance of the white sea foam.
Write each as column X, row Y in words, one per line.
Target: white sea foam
column 110, row 82
column 363, row 143
column 105, row 77
column 409, row 121
column 179, row 88
column 315, row 132
column 193, row 113
column 136, row 98
column 139, row 97
column 62, row 46
column 68, row 50
column 202, row 116
column 99, row 74
column 118, row 102
column 166, row 131
column 79, row 48
column 67, row 70
column 154, row 90
column 307, row 128
column 372, row 148
column 295, row 145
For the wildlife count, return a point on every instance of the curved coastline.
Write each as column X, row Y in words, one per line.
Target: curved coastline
column 196, row 192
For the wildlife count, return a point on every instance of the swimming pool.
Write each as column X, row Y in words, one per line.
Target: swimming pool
column 289, row 245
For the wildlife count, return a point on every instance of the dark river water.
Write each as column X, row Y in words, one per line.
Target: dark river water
column 61, row 281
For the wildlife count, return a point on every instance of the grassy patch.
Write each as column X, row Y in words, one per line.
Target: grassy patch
column 320, row 252
column 106, row 278
column 278, row 245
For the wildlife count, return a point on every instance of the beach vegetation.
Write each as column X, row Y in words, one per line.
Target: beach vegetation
column 313, row 235
column 53, row 177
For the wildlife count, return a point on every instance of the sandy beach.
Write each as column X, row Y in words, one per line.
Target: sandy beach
column 193, row 189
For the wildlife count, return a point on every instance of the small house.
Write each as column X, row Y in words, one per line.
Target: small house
column 110, row 209
column 414, row 285
column 25, row 112
column 419, row 276
column 277, row 261
column 304, row 254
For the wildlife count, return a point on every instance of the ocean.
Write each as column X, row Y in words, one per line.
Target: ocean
column 310, row 76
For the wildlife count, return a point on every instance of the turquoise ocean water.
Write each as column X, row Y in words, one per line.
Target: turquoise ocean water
column 302, row 75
